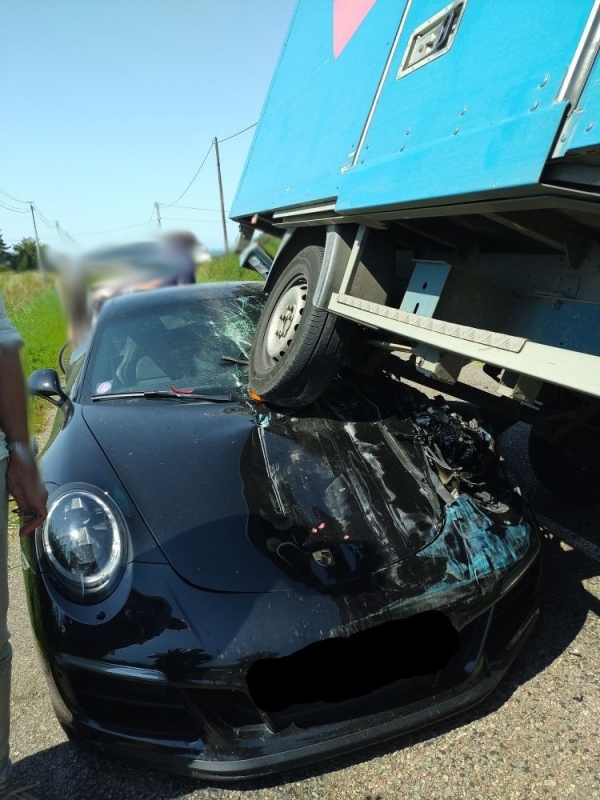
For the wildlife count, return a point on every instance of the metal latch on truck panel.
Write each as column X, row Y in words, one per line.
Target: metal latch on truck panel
column 432, row 38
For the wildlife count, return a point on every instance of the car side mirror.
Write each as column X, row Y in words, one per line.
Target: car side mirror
column 254, row 257
column 46, row 383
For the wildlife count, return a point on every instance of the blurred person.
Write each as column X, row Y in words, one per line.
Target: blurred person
column 76, row 300
column 87, row 281
column 180, row 249
column 18, row 477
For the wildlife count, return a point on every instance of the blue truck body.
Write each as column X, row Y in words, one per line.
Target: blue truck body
column 446, row 157
column 481, row 120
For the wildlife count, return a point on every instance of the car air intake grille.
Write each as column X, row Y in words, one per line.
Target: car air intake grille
column 134, row 707
column 233, row 708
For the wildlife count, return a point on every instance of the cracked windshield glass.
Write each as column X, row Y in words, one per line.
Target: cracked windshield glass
column 198, row 343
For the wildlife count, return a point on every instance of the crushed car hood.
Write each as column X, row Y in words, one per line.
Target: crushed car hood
column 241, row 498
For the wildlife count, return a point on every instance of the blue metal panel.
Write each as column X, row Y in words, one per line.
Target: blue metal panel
column 480, row 118
column 583, row 129
column 425, row 288
column 567, row 324
column 316, row 106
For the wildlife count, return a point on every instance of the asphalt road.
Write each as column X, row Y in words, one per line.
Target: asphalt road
column 537, row 736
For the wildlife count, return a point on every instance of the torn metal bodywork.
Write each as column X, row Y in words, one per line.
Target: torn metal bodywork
column 269, row 550
column 400, row 490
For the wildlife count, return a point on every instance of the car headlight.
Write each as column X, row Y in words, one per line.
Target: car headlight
column 84, row 543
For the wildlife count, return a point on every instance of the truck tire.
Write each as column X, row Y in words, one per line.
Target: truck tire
column 298, row 348
column 570, row 468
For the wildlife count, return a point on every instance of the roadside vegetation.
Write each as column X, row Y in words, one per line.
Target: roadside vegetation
column 227, row 268
column 224, row 268
column 18, row 288
column 34, row 309
column 270, row 243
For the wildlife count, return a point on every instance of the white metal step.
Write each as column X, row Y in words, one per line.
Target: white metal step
column 573, row 370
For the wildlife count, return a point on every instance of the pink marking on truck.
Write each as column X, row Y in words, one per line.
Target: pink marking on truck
column 348, row 16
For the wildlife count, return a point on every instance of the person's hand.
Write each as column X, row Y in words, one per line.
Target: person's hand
column 23, row 482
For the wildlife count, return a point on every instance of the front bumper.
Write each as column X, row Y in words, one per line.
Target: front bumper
column 183, row 725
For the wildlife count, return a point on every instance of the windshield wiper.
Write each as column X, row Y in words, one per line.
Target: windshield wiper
column 166, row 395
column 232, row 360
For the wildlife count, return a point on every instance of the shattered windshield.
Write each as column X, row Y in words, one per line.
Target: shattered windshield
column 181, row 340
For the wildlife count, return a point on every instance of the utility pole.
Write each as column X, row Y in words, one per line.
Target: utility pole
column 216, row 142
column 157, row 207
column 37, row 245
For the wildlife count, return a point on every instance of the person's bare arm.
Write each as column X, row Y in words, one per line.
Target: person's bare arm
column 22, row 477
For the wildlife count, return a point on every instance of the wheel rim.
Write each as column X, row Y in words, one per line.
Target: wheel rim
column 285, row 319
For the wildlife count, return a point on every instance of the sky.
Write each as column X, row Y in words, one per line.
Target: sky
column 111, row 105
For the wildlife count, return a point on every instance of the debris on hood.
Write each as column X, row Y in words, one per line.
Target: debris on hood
column 454, row 436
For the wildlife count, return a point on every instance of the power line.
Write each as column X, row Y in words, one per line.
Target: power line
column 65, row 234
column 195, row 208
column 226, row 139
column 15, row 199
column 51, row 236
column 233, row 135
column 168, row 205
column 113, row 230
column 14, row 210
column 188, row 219
column 42, row 217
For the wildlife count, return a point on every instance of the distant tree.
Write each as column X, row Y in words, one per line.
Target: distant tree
column 5, row 254
column 24, row 255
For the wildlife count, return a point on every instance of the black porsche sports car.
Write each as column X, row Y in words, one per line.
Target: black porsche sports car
column 229, row 589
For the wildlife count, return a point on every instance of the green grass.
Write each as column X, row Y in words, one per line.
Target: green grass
column 19, row 288
column 34, row 309
column 225, row 268
column 270, row 243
